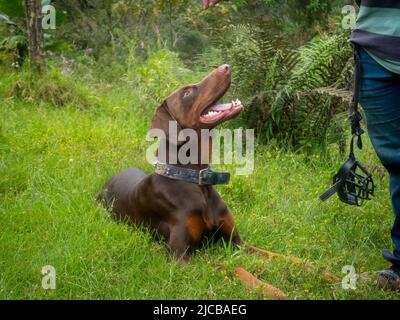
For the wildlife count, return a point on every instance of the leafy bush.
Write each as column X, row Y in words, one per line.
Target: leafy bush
column 14, row 43
column 53, row 88
column 161, row 73
column 14, row 35
column 280, row 85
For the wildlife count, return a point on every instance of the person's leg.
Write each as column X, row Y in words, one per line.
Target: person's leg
column 395, row 194
column 380, row 99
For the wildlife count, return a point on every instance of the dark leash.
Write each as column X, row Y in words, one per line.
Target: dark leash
column 353, row 182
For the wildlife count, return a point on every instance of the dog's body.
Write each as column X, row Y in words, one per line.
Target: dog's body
column 181, row 212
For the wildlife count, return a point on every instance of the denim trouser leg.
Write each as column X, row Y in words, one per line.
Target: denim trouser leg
column 380, row 99
column 395, row 194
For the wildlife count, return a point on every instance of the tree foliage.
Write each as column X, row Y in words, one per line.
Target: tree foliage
column 282, row 86
column 291, row 62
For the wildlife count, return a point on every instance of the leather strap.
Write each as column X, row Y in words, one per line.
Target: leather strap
column 331, row 191
column 355, row 115
column 205, row 177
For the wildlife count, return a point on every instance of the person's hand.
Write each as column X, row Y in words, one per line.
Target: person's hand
column 209, row 3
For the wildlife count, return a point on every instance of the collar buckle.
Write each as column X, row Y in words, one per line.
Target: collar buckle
column 204, row 174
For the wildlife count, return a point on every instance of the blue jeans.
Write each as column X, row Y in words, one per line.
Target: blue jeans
column 380, row 99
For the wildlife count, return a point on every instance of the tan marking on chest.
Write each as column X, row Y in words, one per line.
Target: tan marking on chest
column 195, row 226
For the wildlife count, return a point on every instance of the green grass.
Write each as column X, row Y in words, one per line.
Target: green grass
column 55, row 159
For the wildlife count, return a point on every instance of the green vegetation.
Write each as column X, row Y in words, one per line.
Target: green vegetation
column 55, row 159
column 65, row 132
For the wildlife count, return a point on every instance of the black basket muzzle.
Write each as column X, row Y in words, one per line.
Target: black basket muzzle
column 353, row 183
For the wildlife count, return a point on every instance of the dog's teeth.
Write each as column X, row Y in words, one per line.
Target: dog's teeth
column 211, row 113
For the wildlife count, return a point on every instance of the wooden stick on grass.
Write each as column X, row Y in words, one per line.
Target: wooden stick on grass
column 305, row 265
column 253, row 283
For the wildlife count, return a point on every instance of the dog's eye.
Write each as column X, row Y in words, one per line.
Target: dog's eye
column 188, row 92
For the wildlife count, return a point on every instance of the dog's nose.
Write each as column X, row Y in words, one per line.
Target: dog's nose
column 225, row 69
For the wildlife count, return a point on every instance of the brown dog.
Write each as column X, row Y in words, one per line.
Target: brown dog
column 180, row 211
column 183, row 212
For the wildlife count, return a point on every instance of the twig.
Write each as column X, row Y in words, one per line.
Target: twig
column 253, row 283
column 305, row 265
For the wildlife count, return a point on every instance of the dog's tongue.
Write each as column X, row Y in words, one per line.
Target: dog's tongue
column 225, row 106
column 221, row 107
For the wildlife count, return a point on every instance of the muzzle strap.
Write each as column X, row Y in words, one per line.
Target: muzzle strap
column 355, row 115
column 331, row 191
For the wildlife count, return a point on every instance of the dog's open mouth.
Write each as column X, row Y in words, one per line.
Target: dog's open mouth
column 221, row 112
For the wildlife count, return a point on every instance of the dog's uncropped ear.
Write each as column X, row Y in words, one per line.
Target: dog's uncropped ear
column 162, row 118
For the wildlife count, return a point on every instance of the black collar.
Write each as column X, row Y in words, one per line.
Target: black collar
column 204, row 177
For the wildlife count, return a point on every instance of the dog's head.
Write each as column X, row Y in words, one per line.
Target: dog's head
column 196, row 106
